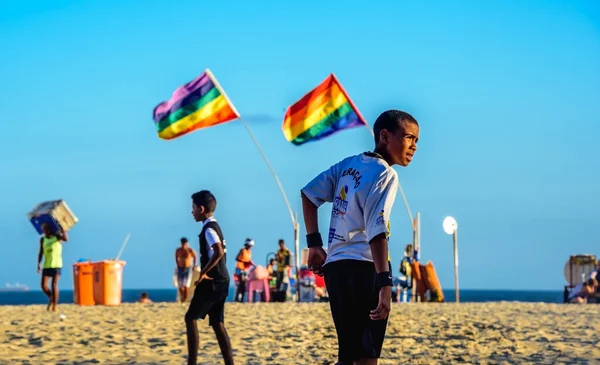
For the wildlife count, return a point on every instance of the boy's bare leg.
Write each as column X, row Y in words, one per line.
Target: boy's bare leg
column 192, row 340
column 224, row 342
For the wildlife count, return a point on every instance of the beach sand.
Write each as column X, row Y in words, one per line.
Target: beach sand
column 290, row 333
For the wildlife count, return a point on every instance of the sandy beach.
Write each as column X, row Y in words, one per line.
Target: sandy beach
column 289, row 333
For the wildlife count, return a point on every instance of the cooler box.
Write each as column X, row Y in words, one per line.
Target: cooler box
column 54, row 212
column 83, row 283
column 108, row 282
column 307, row 294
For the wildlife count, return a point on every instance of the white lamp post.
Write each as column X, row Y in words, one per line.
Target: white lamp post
column 451, row 227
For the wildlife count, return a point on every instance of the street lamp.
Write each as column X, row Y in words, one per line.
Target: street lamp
column 451, row 227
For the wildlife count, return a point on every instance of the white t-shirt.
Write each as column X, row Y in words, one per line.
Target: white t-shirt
column 363, row 190
column 211, row 237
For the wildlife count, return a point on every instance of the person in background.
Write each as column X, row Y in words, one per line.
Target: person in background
column 272, row 275
column 185, row 258
column 144, row 298
column 582, row 292
column 594, row 274
column 51, row 250
column 242, row 265
column 404, row 281
column 213, row 286
column 283, row 263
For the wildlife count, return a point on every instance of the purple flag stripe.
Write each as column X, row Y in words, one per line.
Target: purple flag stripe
column 181, row 93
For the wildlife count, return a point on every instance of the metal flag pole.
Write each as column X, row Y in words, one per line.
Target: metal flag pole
column 293, row 217
column 455, row 249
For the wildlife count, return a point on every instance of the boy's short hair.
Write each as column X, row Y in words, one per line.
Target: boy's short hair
column 183, row 240
column 391, row 120
column 206, row 199
column 281, row 241
column 592, row 282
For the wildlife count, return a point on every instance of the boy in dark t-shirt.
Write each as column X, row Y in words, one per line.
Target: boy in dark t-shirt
column 213, row 286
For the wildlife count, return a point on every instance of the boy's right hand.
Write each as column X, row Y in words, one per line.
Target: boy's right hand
column 316, row 259
column 39, row 268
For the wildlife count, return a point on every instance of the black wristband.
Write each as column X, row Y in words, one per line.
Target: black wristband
column 314, row 240
column 384, row 279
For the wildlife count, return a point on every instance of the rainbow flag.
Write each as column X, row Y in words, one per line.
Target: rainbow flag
column 322, row 112
column 200, row 103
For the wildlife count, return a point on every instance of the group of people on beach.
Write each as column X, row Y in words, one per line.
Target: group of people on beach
column 278, row 271
column 356, row 266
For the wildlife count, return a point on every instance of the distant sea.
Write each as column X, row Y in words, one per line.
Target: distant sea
column 169, row 295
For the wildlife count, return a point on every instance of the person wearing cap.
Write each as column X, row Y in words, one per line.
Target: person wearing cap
column 242, row 265
column 185, row 258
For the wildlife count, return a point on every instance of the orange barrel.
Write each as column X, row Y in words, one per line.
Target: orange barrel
column 418, row 277
column 83, row 283
column 108, row 282
column 432, row 283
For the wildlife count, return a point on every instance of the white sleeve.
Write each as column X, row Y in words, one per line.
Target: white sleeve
column 321, row 189
column 379, row 202
column 211, row 237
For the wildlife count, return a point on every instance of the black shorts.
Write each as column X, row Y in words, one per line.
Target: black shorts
column 209, row 298
column 352, row 295
column 51, row 272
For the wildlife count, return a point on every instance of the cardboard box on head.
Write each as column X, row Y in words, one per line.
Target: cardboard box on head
column 54, row 212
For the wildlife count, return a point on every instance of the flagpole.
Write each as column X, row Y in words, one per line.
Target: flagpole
column 362, row 119
column 279, row 185
column 262, row 153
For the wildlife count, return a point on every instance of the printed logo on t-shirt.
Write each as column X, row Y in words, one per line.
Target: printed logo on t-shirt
column 355, row 174
column 340, row 204
column 333, row 236
column 380, row 219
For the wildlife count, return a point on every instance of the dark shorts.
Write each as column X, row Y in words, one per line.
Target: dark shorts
column 51, row 272
column 352, row 295
column 183, row 276
column 209, row 298
column 279, row 277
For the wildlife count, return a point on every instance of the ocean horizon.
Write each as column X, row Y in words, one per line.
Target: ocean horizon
column 33, row 297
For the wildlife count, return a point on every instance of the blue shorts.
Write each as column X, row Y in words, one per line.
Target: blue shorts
column 183, row 276
column 51, row 272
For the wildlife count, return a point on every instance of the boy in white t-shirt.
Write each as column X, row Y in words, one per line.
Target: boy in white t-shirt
column 357, row 270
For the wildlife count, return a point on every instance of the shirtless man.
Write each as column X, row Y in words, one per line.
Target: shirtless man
column 185, row 257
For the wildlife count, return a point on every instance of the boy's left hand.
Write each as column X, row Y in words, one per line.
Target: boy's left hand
column 383, row 308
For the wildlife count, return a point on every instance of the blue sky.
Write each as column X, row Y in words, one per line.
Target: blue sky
column 507, row 94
